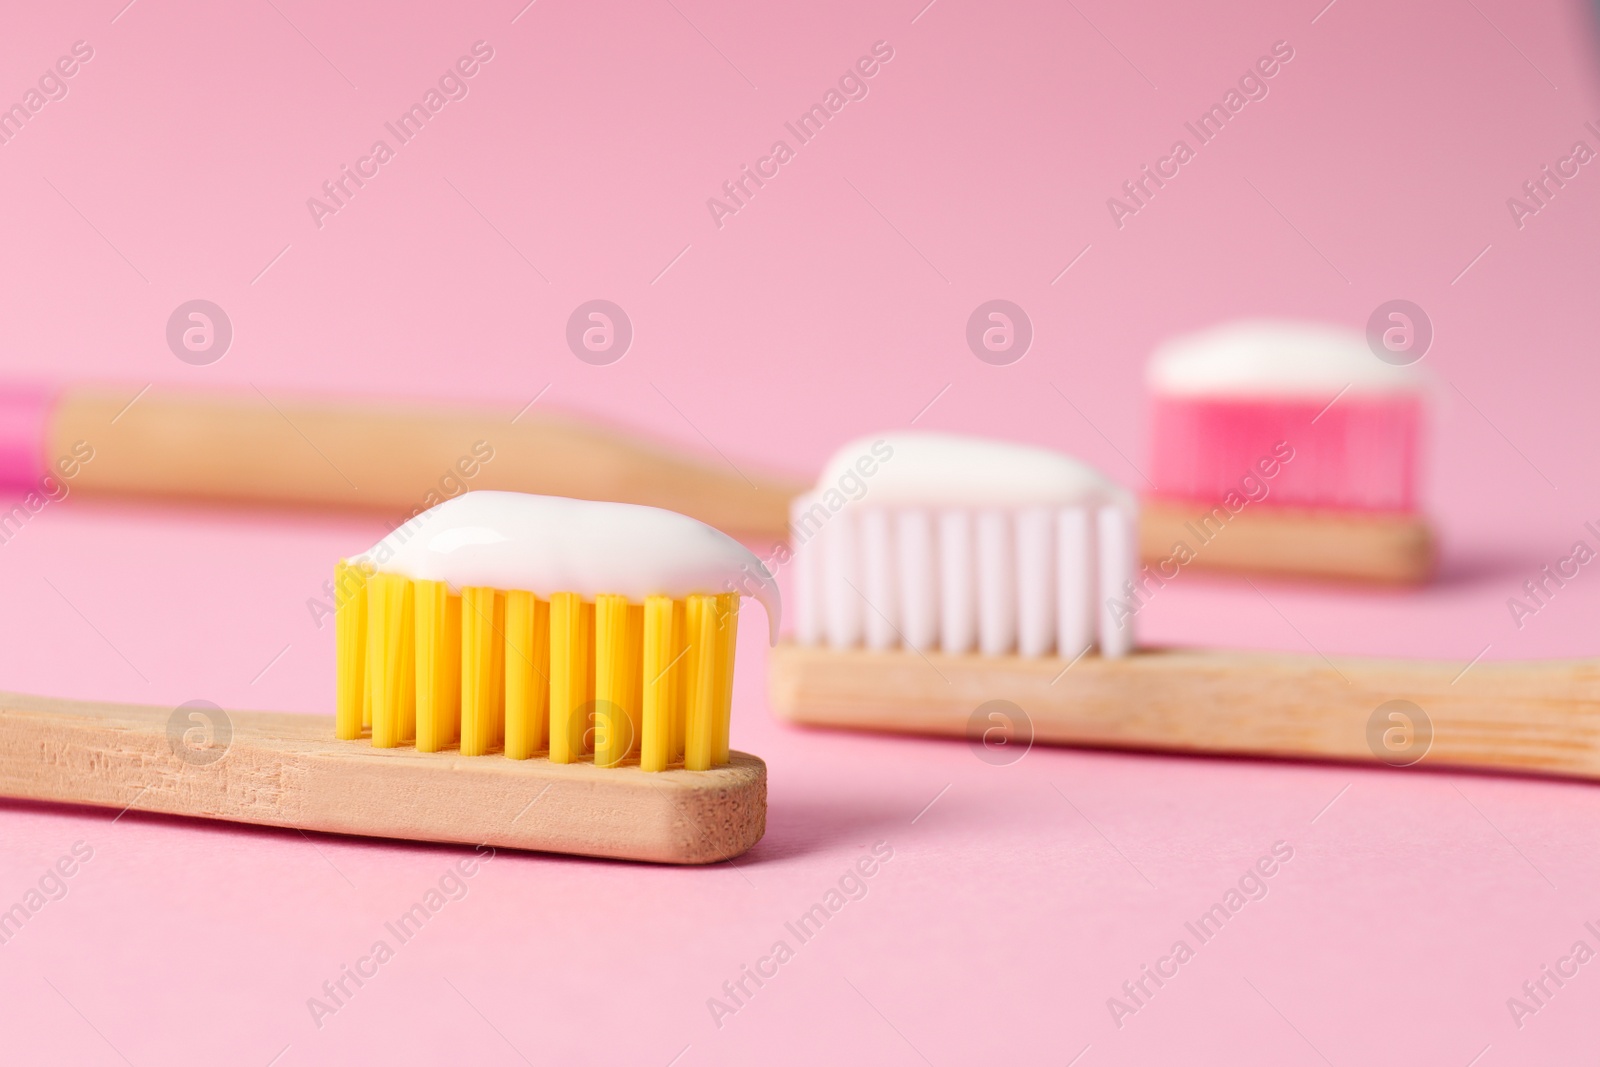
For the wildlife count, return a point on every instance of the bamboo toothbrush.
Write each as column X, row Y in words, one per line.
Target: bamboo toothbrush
column 525, row 672
column 396, row 458
column 915, row 613
column 1539, row 716
column 1289, row 449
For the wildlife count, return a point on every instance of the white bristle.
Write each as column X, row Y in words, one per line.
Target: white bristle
column 1036, row 582
column 1075, row 612
column 877, row 580
column 842, row 580
column 807, row 568
column 1116, row 552
column 919, row 578
column 997, row 584
column 957, row 603
column 1033, row 581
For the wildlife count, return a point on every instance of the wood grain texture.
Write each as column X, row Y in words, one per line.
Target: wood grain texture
column 1536, row 716
column 1358, row 546
column 287, row 452
column 287, row 770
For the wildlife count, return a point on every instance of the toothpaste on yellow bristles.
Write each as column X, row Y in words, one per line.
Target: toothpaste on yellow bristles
column 516, row 623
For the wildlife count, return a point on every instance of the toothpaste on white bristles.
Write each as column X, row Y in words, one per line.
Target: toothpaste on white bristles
column 550, row 544
column 958, row 544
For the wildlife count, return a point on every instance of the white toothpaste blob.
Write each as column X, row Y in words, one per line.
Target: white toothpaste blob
column 1270, row 359
column 955, row 470
column 552, row 544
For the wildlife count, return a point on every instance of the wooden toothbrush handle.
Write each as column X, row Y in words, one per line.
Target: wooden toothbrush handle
column 1528, row 716
column 1392, row 549
column 287, row 770
column 283, row 451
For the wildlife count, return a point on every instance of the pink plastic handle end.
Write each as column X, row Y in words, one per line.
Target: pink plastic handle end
column 24, row 422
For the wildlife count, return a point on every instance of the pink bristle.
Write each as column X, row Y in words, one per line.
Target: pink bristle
column 1359, row 454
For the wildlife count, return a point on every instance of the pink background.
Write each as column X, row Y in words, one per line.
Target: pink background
column 833, row 304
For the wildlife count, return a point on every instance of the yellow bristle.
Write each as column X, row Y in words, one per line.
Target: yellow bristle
column 350, row 645
column 661, row 705
column 502, row 669
column 527, row 673
column 452, row 722
column 570, row 641
column 701, row 717
column 390, row 669
column 588, row 682
column 727, row 637
column 483, row 616
column 680, row 675
column 438, row 629
column 618, row 635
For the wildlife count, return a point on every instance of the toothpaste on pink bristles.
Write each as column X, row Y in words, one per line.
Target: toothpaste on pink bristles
column 958, row 544
column 1338, row 427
